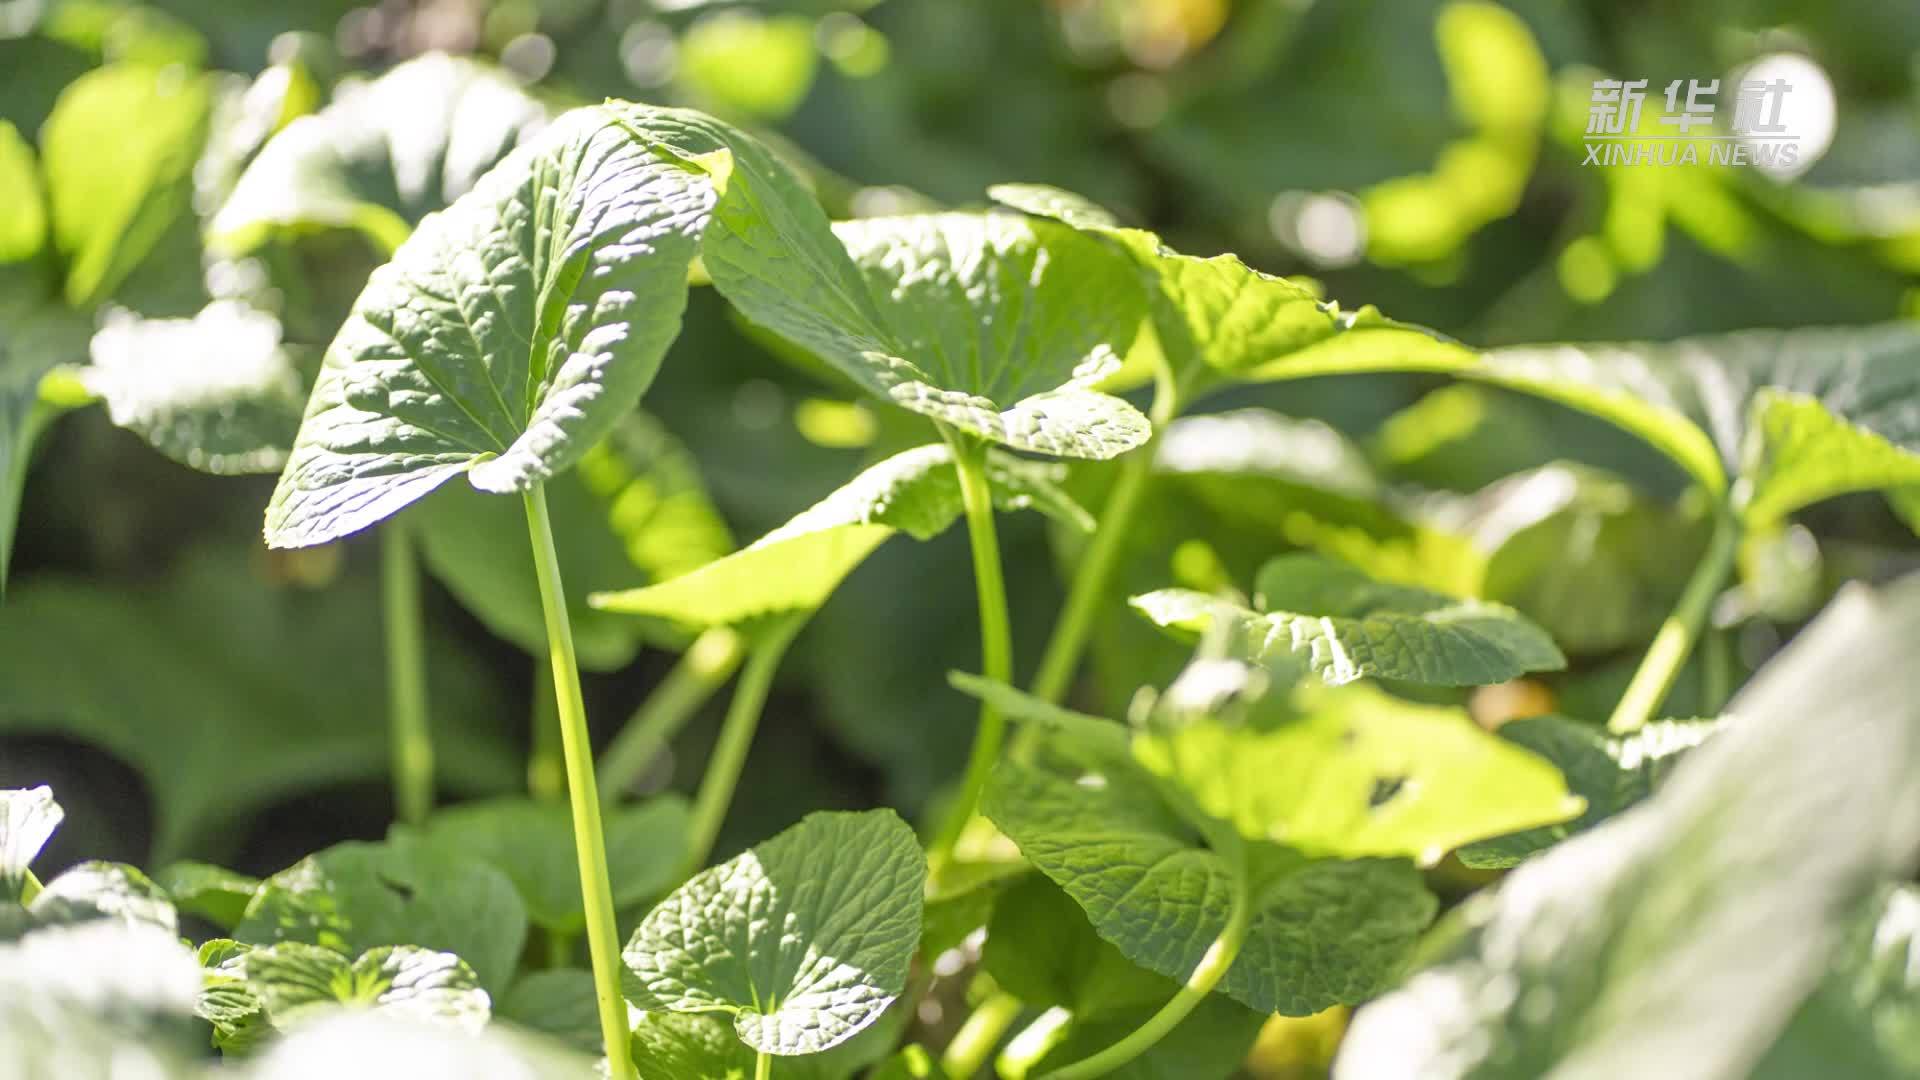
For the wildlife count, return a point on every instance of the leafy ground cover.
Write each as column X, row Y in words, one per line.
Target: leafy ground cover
column 1137, row 663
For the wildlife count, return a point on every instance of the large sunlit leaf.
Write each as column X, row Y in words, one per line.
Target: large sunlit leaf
column 998, row 325
column 383, row 154
column 1795, row 416
column 358, row 896
column 1215, row 315
column 28, row 817
column 634, row 510
column 797, row 566
column 295, row 981
column 216, row 392
column 1616, row 953
column 532, row 843
column 804, row 939
column 1324, row 932
column 118, row 152
column 512, row 331
column 213, row 714
column 1347, row 626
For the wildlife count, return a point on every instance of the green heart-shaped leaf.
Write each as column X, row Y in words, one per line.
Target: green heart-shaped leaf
column 1347, row 626
column 804, row 939
column 1775, row 822
column 798, row 566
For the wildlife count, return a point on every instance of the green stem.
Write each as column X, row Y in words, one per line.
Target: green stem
column 1095, row 570
column 29, row 888
column 977, row 1037
column 546, row 767
column 706, row 666
column 996, row 643
column 1206, row 975
column 736, row 737
column 1674, row 642
column 559, row 949
column 406, row 675
column 603, row 934
column 763, row 1066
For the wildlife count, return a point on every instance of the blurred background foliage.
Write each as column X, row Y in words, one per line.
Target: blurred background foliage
column 189, row 693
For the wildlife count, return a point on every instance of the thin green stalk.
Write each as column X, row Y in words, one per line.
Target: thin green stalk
column 996, row 643
column 1206, row 975
column 1095, row 570
column 1677, row 635
column 705, row 667
column 546, row 769
column 589, row 839
column 560, row 949
column 406, row 675
column 736, row 737
column 975, row 1040
column 763, row 1066
column 29, row 888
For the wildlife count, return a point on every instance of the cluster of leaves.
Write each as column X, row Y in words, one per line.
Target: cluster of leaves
column 1357, row 679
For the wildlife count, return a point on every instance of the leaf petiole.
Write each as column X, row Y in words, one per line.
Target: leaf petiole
column 407, row 715
column 29, row 888
column 706, row 666
column 736, row 737
column 996, row 642
column 1661, row 666
column 603, row 934
column 1213, row 966
column 546, row 771
column 979, row 1035
column 763, row 1066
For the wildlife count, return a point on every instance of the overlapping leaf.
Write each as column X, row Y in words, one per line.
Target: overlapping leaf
column 804, row 940
column 1323, row 932
column 1563, row 970
column 797, row 566
column 1347, row 626
column 382, row 154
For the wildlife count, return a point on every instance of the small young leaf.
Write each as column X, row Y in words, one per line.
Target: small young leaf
column 633, row 510
column 532, row 843
column 382, row 155
column 295, row 981
column 355, row 896
column 1560, row 970
column 215, row 392
column 1324, row 932
column 804, row 939
column 28, row 817
column 797, row 566
column 1348, row 626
